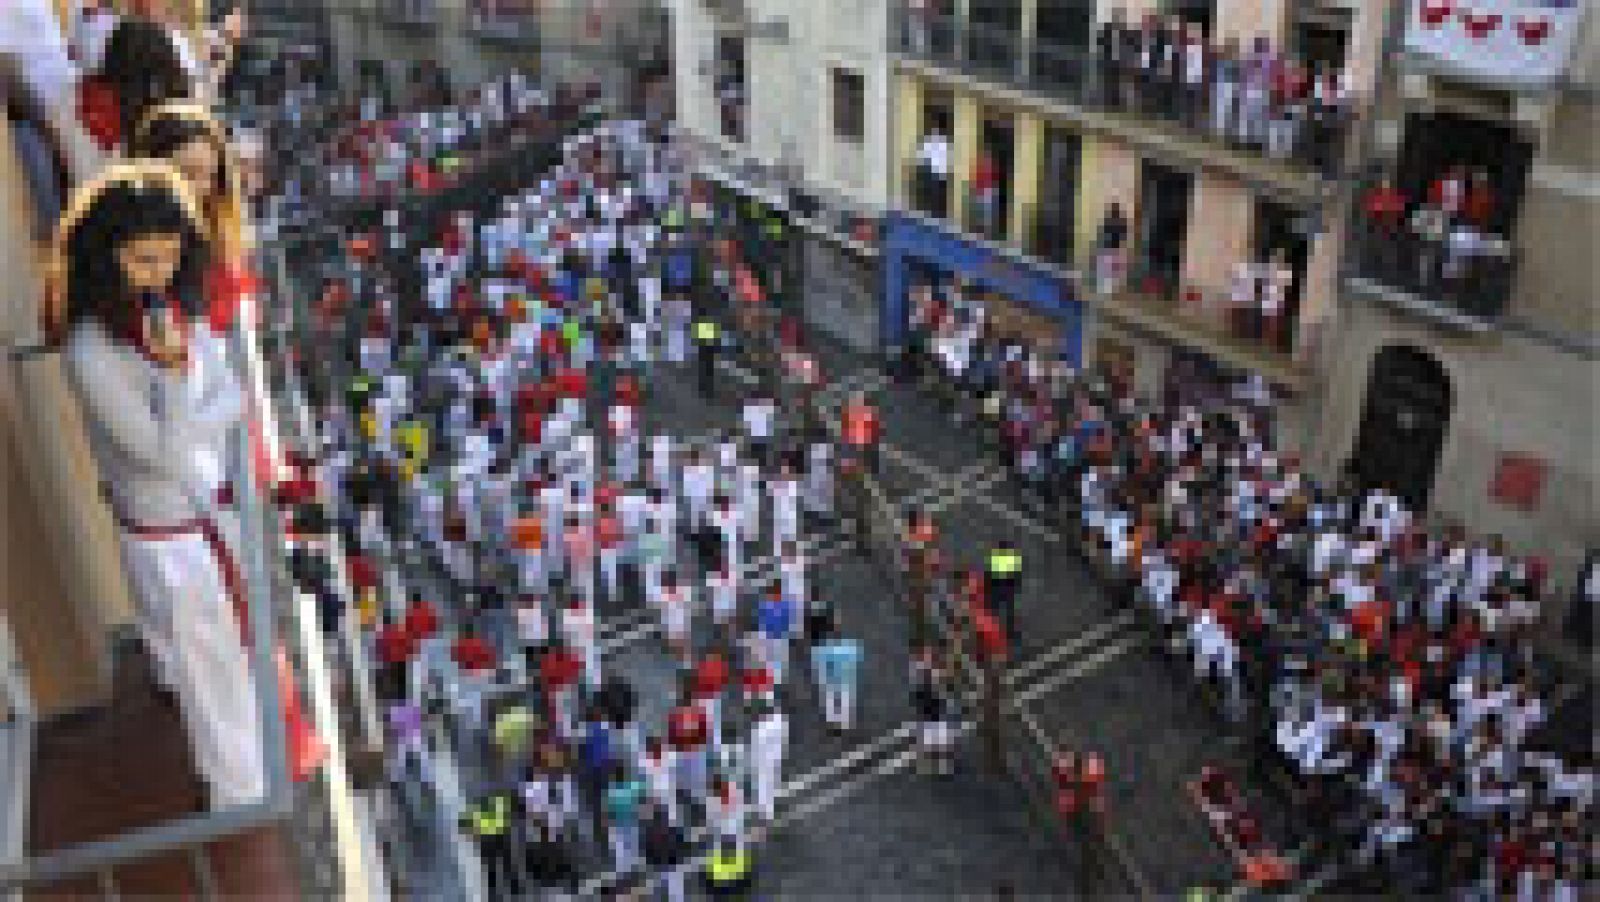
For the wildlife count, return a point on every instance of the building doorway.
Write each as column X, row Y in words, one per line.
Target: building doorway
column 1164, row 195
column 991, row 203
column 1403, row 424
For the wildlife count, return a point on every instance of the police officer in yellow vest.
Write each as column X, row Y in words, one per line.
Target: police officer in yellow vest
column 728, row 870
column 707, row 338
column 1004, row 574
column 489, row 824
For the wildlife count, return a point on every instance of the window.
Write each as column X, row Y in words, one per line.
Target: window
column 730, row 85
column 849, row 105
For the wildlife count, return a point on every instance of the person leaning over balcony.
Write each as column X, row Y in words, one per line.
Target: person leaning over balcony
column 1114, row 52
column 1226, row 71
column 933, row 171
column 1196, row 69
column 129, row 254
column 1110, row 243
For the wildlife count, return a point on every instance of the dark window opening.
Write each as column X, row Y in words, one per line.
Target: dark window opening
column 1163, row 218
column 849, row 105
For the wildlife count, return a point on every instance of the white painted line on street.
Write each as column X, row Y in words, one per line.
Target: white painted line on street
column 1079, row 669
column 902, row 734
column 452, row 805
column 928, row 471
column 1093, row 634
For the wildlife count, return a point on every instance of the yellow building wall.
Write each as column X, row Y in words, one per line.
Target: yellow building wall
column 1115, row 178
column 1246, row 20
column 1028, row 157
column 1221, row 212
column 1091, row 206
column 965, row 150
column 907, row 134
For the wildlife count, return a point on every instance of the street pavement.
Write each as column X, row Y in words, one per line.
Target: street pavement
column 856, row 818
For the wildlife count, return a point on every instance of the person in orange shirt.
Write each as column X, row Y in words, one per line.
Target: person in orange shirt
column 862, row 430
column 527, row 544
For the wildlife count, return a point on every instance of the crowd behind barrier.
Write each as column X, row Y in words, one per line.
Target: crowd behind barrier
column 1389, row 672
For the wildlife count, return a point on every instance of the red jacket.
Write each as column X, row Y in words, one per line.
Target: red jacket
column 687, row 729
column 559, row 670
column 421, row 621
column 395, row 645
column 710, row 676
column 472, row 654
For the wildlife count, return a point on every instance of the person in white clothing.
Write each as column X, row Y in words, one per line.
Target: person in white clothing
column 150, row 388
column 769, row 739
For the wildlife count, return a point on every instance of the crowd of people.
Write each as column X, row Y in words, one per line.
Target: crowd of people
column 1389, row 669
column 1249, row 94
column 486, row 436
column 422, row 150
column 136, row 192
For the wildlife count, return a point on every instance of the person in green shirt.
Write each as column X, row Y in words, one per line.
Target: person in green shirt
column 623, row 796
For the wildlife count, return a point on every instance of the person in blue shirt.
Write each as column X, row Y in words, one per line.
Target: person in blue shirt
column 623, row 796
column 596, row 759
column 836, row 662
column 775, row 623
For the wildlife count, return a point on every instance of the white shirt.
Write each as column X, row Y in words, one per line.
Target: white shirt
column 935, row 154
column 30, row 32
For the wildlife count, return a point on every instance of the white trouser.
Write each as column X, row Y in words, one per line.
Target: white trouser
column 610, row 560
column 767, row 777
column 776, row 653
column 838, row 704
column 186, row 618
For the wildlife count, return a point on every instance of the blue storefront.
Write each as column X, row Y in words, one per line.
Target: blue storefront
column 916, row 248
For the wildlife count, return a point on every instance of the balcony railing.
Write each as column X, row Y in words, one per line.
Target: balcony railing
column 108, row 793
column 1468, row 279
column 512, row 29
column 1306, row 135
column 410, row 13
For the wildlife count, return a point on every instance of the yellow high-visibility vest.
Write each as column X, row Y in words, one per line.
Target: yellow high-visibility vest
column 492, row 819
column 723, row 869
column 705, row 331
column 1004, row 563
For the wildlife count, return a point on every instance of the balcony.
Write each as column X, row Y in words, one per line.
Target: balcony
column 1465, row 283
column 512, row 30
column 410, row 14
column 1070, row 81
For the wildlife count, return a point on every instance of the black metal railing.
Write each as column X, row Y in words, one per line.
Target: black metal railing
column 1308, row 134
column 1050, row 235
column 1471, row 275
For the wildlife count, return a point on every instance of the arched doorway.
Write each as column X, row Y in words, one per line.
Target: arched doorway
column 1403, row 424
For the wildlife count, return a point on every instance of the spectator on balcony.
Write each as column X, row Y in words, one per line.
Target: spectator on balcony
column 1155, row 65
column 1480, row 204
column 1384, row 207
column 933, row 171
column 1110, row 255
column 1276, row 284
column 1255, row 94
column 1448, row 192
column 1196, row 70
column 986, row 194
column 1226, row 74
column 1289, row 90
column 919, row 25
column 1116, row 50
column 140, row 70
column 130, row 250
